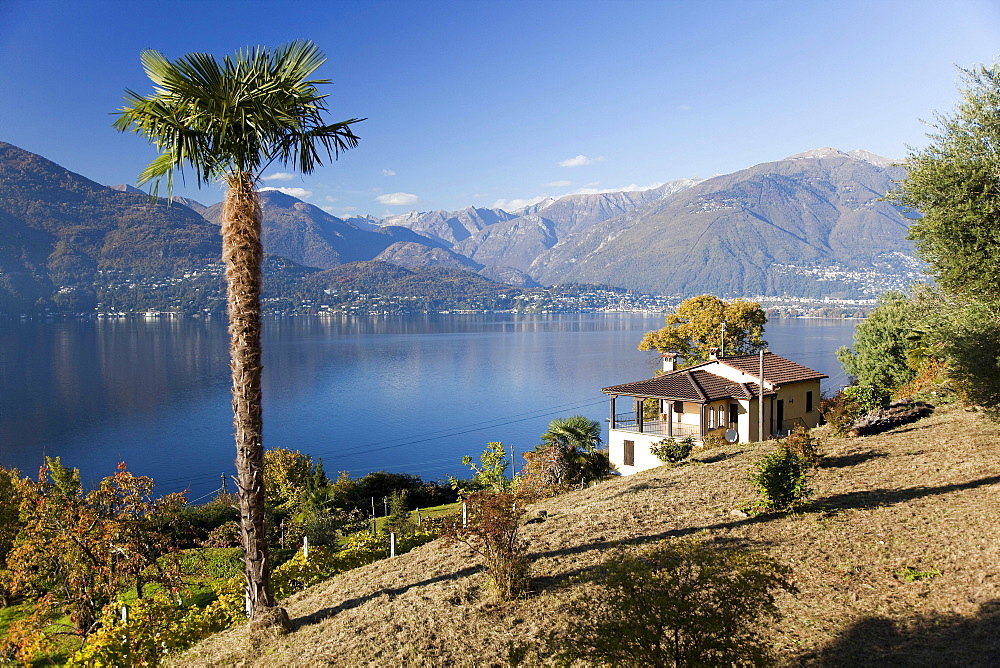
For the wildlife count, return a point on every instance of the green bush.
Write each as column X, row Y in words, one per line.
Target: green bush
column 781, row 480
column 868, row 397
column 323, row 563
column 840, row 412
column 672, row 451
column 157, row 625
column 213, row 562
column 682, row 603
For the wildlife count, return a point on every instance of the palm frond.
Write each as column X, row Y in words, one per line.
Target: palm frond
column 237, row 116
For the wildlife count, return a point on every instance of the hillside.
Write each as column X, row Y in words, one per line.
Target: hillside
column 812, row 224
column 58, row 229
column 923, row 497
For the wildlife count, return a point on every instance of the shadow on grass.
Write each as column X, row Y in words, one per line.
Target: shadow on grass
column 326, row 613
column 949, row 640
column 718, row 457
column 856, row 500
column 851, row 460
column 875, row 498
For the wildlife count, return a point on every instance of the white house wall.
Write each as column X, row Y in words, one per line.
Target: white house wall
column 644, row 459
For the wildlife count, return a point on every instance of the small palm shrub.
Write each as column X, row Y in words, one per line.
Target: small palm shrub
column 672, row 451
column 780, row 479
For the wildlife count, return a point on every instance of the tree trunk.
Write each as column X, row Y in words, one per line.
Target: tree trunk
column 243, row 255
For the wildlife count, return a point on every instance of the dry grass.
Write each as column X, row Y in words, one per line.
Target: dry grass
column 924, row 497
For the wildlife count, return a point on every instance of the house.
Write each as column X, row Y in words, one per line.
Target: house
column 722, row 395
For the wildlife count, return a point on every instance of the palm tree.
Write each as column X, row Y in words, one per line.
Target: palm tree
column 576, row 432
column 229, row 121
column 578, row 441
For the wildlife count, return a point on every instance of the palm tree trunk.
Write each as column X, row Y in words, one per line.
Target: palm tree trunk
column 243, row 255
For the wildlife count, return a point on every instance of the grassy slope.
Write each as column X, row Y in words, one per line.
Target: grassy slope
column 926, row 496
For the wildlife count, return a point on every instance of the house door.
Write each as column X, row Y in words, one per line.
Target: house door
column 780, row 415
column 734, row 416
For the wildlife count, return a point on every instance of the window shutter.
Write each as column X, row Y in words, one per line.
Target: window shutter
column 629, row 456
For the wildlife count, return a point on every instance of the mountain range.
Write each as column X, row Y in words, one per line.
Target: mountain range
column 813, row 224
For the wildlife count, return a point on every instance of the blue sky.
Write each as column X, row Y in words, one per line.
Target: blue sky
column 492, row 103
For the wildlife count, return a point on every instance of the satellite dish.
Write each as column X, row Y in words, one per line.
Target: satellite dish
column 732, row 436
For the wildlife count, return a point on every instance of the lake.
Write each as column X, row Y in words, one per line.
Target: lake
column 397, row 393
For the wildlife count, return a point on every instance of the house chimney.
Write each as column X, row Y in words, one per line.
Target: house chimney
column 713, row 353
column 669, row 361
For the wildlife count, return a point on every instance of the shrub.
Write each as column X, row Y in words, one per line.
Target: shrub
column 841, row 412
column 157, row 625
column 213, row 562
column 803, row 445
column 780, row 479
column 323, row 528
column 225, row 535
column 399, row 514
column 544, row 473
column 672, row 451
column 682, row 603
column 492, row 532
column 868, row 397
column 323, row 563
column 715, row 439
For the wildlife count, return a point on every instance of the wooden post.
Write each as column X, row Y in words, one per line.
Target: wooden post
column 465, row 514
column 305, row 548
column 418, row 517
column 392, row 545
column 612, row 423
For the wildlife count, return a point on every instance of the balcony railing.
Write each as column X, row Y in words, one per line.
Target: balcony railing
column 627, row 422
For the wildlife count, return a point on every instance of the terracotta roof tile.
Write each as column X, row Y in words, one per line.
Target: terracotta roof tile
column 686, row 384
column 697, row 384
column 777, row 369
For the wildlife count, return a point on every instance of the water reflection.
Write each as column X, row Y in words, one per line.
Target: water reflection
column 410, row 393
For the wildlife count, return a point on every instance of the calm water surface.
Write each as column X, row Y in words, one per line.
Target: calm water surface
column 398, row 393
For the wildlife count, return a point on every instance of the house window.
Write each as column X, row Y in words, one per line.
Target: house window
column 678, row 406
column 809, row 401
column 629, row 457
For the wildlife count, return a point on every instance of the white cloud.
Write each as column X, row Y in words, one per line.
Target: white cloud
column 397, row 199
column 388, row 172
column 558, row 184
column 329, row 199
column 300, row 193
column 580, row 161
column 279, row 176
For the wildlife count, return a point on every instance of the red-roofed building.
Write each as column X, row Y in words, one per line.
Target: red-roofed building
column 718, row 396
